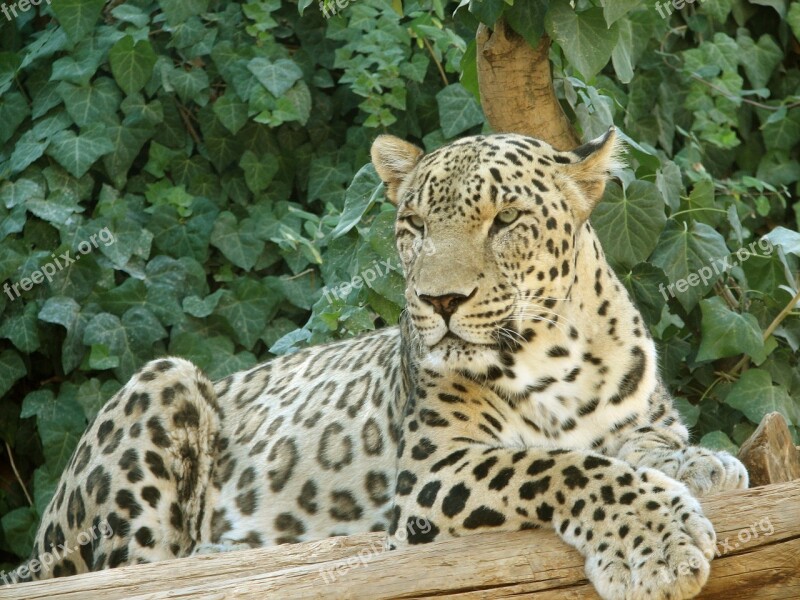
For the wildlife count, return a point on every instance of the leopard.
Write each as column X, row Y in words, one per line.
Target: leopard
column 519, row 390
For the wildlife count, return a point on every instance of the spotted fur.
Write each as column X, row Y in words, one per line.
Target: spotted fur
column 521, row 390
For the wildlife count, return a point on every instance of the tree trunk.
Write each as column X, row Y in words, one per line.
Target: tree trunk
column 516, row 87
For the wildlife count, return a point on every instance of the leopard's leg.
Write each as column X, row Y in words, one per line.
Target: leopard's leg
column 136, row 488
column 663, row 445
column 643, row 535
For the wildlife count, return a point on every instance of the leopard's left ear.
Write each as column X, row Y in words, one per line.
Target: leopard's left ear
column 590, row 165
column 394, row 159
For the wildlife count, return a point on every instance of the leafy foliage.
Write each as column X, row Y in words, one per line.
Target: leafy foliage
column 188, row 178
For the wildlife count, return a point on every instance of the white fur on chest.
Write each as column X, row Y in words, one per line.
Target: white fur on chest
column 574, row 399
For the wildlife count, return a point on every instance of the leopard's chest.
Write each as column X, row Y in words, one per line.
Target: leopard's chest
column 573, row 397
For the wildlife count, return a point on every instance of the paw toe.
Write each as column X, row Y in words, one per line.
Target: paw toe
column 706, row 472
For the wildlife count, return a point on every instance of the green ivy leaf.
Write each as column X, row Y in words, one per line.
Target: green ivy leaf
column 67, row 313
column 45, row 484
column 202, row 308
column 223, row 149
column 13, row 111
column 458, row 110
column 60, row 422
column 11, row 222
column 778, row 5
column 728, row 333
column 294, row 105
column 258, row 171
column 57, row 211
column 129, row 294
column 247, row 308
column 19, row 529
column 93, row 394
column 14, row 193
column 143, row 329
column 783, row 134
column 191, row 85
column 77, row 17
column 793, row 18
column 239, row 242
column 27, row 151
column 614, row 10
column 718, row 9
column 756, row 396
column 682, row 251
column 77, row 153
column 717, row 440
column 278, row 77
column 132, row 63
column 645, row 282
column 178, row 11
column 623, row 57
column 689, row 412
column 128, row 141
column 360, row 196
column 130, row 339
column 173, row 235
column 488, row 11
column 628, row 222
column 584, row 37
column 11, row 369
column 9, row 65
column 21, row 328
column 527, row 19
column 786, row 238
column 759, row 59
column 231, row 112
column 131, row 14
column 326, row 179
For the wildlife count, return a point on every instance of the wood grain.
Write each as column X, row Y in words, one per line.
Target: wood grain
column 758, row 532
column 769, row 454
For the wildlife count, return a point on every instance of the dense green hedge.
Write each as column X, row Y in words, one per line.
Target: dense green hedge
column 184, row 176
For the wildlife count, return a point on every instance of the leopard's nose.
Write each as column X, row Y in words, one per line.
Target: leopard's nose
column 446, row 304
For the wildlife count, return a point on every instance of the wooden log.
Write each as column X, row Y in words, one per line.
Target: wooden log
column 759, row 558
column 769, row 454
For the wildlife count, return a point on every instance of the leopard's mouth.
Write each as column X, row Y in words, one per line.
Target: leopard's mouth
column 452, row 340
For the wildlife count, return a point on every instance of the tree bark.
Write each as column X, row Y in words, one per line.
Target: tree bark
column 769, row 454
column 758, row 544
column 516, row 87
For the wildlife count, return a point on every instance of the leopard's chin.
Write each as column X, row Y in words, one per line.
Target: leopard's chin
column 454, row 353
column 451, row 340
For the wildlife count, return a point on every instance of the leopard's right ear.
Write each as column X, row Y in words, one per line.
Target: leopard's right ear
column 394, row 159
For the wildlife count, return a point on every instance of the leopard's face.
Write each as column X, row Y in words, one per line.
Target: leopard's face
column 486, row 231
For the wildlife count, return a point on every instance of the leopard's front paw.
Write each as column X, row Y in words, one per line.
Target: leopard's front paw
column 653, row 544
column 707, row 472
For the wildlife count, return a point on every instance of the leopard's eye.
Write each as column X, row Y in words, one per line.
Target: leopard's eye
column 507, row 216
column 417, row 222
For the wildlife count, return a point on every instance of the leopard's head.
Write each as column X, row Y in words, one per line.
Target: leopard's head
column 486, row 230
